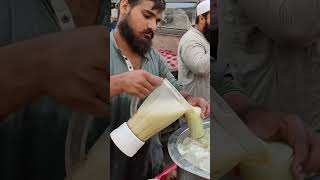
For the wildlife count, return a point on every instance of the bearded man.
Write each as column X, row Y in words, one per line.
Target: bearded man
column 136, row 69
column 194, row 54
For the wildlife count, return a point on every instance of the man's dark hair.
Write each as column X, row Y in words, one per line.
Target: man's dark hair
column 204, row 15
column 158, row 4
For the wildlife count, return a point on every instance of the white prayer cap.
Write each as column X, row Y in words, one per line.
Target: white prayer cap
column 203, row 7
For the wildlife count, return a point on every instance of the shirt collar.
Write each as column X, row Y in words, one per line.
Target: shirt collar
column 197, row 31
column 113, row 42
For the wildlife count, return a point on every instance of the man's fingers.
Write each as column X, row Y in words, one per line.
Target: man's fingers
column 154, row 80
column 297, row 138
column 312, row 165
column 144, row 91
column 300, row 153
column 192, row 102
column 208, row 111
column 203, row 105
column 149, row 86
column 141, row 96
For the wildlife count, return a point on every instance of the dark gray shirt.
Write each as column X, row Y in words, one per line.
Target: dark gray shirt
column 273, row 48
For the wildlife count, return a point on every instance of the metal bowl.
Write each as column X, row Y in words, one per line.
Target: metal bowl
column 186, row 170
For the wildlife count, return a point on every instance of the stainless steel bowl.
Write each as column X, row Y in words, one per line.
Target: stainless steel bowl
column 185, row 170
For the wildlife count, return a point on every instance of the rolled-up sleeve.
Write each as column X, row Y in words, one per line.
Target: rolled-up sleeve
column 195, row 58
column 285, row 20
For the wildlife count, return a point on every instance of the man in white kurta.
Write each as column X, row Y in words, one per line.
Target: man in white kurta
column 194, row 55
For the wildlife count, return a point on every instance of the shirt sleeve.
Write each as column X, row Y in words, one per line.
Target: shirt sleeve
column 222, row 80
column 165, row 72
column 195, row 58
column 291, row 20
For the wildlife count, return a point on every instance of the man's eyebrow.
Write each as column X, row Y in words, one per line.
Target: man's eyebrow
column 152, row 14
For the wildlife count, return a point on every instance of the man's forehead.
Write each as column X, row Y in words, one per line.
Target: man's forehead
column 149, row 6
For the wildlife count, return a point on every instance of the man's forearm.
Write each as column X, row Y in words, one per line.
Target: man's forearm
column 19, row 75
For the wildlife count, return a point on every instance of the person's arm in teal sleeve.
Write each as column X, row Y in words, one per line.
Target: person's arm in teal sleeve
column 294, row 21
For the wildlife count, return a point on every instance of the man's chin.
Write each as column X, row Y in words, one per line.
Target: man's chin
column 143, row 47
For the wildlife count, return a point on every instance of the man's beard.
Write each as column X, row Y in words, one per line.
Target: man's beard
column 207, row 31
column 139, row 45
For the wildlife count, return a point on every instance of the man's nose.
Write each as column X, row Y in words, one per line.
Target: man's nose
column 153, row 25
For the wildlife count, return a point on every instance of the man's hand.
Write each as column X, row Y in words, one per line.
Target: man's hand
column 70, row 66
column 74, row 68
column 312, row 165
column 288, row 128
column 293, row 132
column 200, row 102
column 138, row 83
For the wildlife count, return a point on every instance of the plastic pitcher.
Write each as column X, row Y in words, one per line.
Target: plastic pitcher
column 232, row 142
column 160, row 109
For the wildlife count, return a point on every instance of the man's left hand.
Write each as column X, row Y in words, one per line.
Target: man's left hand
column 312, row 165
column 200, row 102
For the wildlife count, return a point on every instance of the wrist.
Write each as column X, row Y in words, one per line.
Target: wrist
column 122, row 82
column 253, row 112
column 117, row 84
column 25, row 67
column 42, row 59
column 186, row 95
column 19, row 75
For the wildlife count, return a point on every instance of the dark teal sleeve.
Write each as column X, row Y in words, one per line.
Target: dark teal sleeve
column 222, row 80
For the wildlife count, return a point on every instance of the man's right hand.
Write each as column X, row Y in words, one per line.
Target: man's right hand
column 70, row 66
column 138, row 83
column 75, row 68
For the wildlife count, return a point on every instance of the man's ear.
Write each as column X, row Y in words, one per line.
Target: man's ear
column 202, row 19
column 124, row 7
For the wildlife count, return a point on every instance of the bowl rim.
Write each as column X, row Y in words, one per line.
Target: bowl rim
column 175, row 155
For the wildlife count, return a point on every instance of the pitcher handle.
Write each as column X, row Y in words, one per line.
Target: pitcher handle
column 134, row 105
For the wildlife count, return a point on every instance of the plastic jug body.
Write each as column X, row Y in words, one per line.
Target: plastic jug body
column 161, row 108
